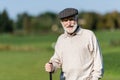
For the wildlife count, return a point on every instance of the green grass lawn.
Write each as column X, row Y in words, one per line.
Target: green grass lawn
column 24, row 57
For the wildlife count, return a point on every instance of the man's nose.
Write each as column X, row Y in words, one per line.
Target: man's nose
column 68, row 22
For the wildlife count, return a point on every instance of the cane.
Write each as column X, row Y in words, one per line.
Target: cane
column 50, row 75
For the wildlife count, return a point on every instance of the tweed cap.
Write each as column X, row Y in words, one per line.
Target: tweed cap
column 67, row 12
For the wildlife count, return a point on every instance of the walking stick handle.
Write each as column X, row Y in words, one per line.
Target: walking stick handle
column 50, row 73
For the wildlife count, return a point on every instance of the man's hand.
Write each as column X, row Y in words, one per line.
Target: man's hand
column 49, row 67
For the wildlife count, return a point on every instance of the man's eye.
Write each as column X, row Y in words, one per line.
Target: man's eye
column 65, row 20
column 71, row 19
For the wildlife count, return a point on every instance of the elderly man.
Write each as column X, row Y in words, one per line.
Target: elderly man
column 77, row 50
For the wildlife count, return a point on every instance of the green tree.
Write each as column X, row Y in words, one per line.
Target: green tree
column 46, row 20
column 116, row 18
column 90, row 20
column 6, row 24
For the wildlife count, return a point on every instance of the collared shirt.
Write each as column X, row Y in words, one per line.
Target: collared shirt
column 79, row 56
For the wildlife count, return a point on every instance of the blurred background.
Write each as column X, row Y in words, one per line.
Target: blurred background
column 29, row 30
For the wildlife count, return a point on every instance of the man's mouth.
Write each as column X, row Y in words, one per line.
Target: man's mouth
column 70, row 27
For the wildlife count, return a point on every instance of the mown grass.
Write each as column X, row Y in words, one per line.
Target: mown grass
column 111, row 53
column 24, row 57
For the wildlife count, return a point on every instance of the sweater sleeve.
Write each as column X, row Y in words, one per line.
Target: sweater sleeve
column 98, row 60
column 56, row 58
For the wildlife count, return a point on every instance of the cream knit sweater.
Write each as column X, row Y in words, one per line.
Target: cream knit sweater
column 79, row 56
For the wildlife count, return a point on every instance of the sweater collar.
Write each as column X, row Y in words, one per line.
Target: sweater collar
column 77, row 31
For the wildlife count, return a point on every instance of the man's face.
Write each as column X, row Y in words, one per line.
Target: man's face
column 69, row 24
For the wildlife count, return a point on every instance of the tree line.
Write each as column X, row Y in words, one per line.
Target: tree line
column 49, row 22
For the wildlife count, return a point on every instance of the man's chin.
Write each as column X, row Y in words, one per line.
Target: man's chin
column 69, row 32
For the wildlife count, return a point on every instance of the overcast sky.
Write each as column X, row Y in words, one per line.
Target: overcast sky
column 35, row 7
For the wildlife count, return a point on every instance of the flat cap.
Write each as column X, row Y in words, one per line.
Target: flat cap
column 67, row 12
